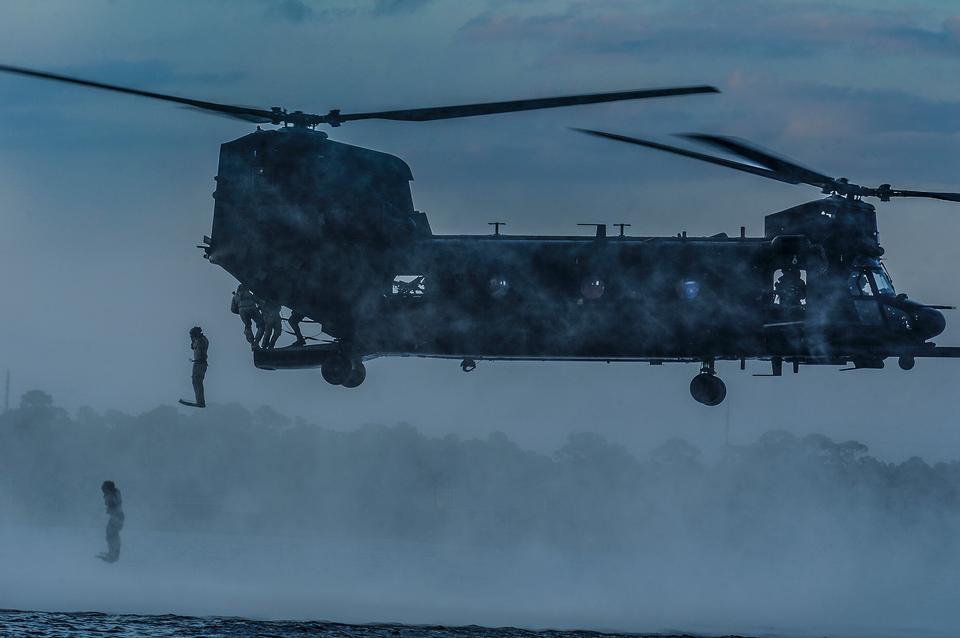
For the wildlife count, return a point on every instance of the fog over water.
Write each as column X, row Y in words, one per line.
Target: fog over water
column 237, row 513
column 553, row 494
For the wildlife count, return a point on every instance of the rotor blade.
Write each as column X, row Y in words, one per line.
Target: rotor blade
column 746, row 168
column 947, row 197
column 765, row 158
column 491, row 108
column 243, row 112
column 255, row 119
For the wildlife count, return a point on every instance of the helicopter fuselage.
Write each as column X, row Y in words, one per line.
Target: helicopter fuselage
column 330, row 230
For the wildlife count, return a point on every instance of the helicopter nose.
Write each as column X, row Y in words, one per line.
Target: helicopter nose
column 929, row 322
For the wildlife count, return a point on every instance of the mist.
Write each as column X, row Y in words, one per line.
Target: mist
column 252, row 513
column 548, row 494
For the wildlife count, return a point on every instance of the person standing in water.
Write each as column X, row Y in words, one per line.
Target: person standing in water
column 114, row 505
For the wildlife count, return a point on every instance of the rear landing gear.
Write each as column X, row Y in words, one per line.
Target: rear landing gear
column 339, row 369
column 707, row 388
column 335, row 369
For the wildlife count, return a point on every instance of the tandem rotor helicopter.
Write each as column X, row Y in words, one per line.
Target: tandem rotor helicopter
column 329, row 230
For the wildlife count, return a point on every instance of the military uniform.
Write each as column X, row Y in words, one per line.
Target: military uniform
column 249, row 313
column 295, row 318
column 114, row 505
column 199, row 344
column 272, row 324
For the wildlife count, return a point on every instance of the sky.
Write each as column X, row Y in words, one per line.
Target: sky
column 104, row 197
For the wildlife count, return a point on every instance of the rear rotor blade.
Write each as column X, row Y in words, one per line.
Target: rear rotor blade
column 746, row 168
column 765, row 158
column 491, row 108
column 246, row 113
column 777, row 168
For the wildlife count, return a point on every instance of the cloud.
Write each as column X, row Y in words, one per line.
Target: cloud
column 299, row 11
column 394, row 7
column 744, row 27
column 292, row 10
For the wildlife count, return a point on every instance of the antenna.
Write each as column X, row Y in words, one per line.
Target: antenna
column 726, row 430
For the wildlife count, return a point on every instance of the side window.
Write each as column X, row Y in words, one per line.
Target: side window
column 408, row 286
column 790, row 287
column 868, row 311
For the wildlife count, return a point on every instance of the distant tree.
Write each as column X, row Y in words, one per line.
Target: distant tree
column 677, row 454
column 35, row 399
column 265, row 416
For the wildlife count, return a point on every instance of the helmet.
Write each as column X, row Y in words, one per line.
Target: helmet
column 108, row 486
column 195, row 331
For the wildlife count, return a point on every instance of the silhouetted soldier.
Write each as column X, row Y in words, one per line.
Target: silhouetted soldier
column 114, row 504
column 295, row 318
column 272, row 324
column 246, row 304
column 790, row 289
column 199, row 344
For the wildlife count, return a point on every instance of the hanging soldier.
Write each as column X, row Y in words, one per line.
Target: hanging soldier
column 199, row 344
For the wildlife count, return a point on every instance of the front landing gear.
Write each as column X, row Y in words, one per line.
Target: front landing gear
column 707, row 388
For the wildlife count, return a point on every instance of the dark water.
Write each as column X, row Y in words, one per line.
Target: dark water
column 80, row 624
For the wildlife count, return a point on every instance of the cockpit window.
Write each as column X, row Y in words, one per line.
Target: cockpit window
column 860, row 284
column 882, row 279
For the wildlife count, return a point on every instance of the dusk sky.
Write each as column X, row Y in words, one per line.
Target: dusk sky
column 104, row 196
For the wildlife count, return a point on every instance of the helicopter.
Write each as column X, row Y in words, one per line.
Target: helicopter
column 329, row 230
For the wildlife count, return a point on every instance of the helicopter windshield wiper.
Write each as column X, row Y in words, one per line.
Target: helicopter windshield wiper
column 773, row 167
column 278, row 115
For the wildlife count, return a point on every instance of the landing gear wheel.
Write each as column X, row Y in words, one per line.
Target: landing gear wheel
column 468, row 365
column 336, row 369
column 357, row 375
column 708, row 389
column 906, row 363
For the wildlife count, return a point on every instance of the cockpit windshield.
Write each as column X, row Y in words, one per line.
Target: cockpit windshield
column 869, row 272
column 882, row 279
column 859, row 284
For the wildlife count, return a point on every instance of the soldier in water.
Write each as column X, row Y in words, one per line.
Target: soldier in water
column 272, row 324
column 114, row 505
column 245, row 304
column 199, row 344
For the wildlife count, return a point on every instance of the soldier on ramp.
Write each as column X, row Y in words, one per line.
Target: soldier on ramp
column 245, row 304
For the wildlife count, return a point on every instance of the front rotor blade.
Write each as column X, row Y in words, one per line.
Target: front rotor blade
column 242, row 112
column 947, row 197
column 746, row 168
column 492, row 108
column 765, row 158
